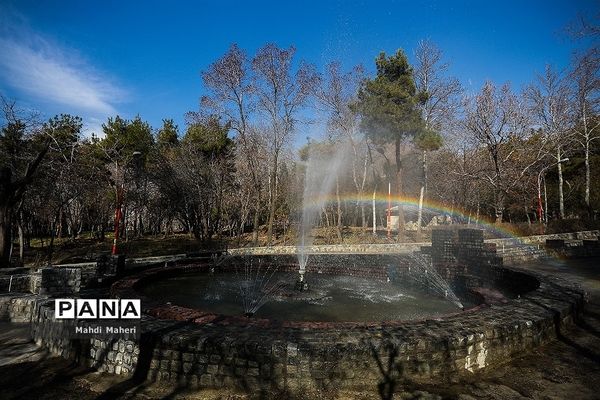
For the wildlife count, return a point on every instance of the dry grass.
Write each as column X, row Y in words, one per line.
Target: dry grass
column 86, row 248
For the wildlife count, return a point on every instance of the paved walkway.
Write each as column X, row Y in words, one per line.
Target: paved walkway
column 16, row 346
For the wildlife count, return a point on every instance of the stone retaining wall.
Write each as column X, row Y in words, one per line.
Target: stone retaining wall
column 21, row 283
column 331, row 248
column 60, row 281
column 18, row 307
column 512, row 249
column 306, row 357
column 88, row 271
column 541, row 239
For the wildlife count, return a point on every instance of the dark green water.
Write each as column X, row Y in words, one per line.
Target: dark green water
column 330, row 298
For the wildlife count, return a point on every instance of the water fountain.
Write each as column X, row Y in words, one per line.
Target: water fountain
column 256, row 284
column 321, row 174
column 401, row 302
column 421, row 272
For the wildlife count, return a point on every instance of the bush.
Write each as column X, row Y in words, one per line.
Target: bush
column 572, row 225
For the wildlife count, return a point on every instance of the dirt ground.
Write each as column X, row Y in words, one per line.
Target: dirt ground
column 567, row 368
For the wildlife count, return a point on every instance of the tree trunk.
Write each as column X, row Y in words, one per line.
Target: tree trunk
column 422, row 195
column 540, row 208
column 5, row 240
column 21, row 243
column 326, row 217
column 420, row 215
column 561, row 197
column 587, row 174
column 339, row 210
column 273, row 190
column 499, row 207
column 374, row 213
column 399, row 191
column 10, row 193
column 363, row 216
column 256, row 218
column 545, row 202
column 51, row 245
column 5, row 216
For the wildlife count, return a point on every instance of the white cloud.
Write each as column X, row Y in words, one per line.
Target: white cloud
column 44, row 70
column 93, row 126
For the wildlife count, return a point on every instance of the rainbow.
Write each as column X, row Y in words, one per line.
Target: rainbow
column 430, row 206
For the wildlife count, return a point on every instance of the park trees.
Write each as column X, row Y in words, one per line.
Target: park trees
column 496, row 121
column 20, row 158
column 259, row 100
column 438, row 101
column 64, row 178
column 280, row 93
column 231, row 95
column 550, row 104
column 204, row 167
column 585, row 80
column 125, row 148
column 168, row 134
column 335, row 95
column 388, row 105
column 234, row 167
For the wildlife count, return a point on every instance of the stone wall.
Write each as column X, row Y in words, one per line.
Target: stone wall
column 519, row 249
column 303, row 357
column 332, row 248
column 18, row 307
column 373, row 266
column 20, row 283
column 60, row 281
column 89, row 271
column 541, row 239
column 573, row 248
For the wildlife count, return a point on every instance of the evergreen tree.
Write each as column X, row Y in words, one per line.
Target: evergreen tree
column 388, row 105
column 168, row 135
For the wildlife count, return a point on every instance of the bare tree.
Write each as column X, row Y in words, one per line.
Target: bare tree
column 439, row 103
column 495, row 118
column 438, row 91
column 582, row 27
column 586, row 86
column 280, row 94
column 13, row 139
column 549, row 101
column 335, row 94
column 229, row 80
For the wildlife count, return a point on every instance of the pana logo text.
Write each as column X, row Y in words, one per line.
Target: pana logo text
column 97, row 309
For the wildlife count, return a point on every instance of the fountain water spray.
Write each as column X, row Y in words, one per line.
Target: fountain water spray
column 322, row 170
column 422, row 271
column 256, row 284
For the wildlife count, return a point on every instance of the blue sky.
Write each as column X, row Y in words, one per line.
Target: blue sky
column 97, row 59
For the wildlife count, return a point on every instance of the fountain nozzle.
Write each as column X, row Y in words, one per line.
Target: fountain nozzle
column 301, row 284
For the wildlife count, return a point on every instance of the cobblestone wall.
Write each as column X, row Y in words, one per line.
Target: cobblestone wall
column 18, row 307
column 20, row 283
column 60, row 281
column 320, row 356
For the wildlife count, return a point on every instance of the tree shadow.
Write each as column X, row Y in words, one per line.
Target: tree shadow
column 32, row 379
column 138, row 381
column 390, row 370
column 558, row 330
